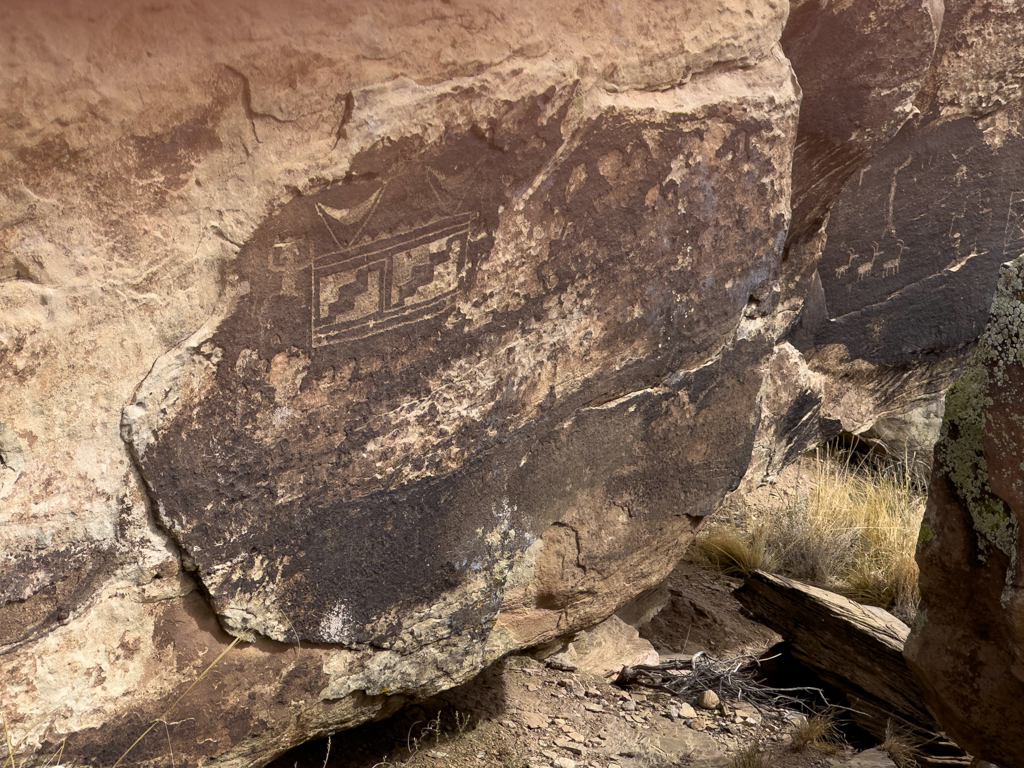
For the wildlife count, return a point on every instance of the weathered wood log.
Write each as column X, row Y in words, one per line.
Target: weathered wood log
column 855, row 648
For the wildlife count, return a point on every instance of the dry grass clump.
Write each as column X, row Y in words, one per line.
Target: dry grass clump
column 820, row 732
column 901, row 746
column 736, row 550
column 850, row 527
column 751, row 757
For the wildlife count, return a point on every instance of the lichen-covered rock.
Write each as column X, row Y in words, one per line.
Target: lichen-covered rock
column 967, row 646
column 388, row 338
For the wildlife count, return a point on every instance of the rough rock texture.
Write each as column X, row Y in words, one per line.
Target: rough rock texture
column 855, row 647
column 605, row 649
column 967, row 645
column 914, row 434
column 433, row 346
column 388, row 338
column 860, row 64
column 919, row 196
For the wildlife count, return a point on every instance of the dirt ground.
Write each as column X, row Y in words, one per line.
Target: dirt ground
column 521, row 713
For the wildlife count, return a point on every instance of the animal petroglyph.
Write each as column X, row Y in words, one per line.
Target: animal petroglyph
column 892, row 266
column 842, row 269
column 864, row 270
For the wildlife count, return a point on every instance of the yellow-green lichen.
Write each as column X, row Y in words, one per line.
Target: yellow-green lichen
column 961, row 457
column 926, row 534
column 921, row 618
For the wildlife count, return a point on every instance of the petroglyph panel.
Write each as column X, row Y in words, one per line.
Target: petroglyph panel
column 915, row 241
column 350, row 315
column 359, row 438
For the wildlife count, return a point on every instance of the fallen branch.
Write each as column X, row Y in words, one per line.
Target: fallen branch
column 734, row 680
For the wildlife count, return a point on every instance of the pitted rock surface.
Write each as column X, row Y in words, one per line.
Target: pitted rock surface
column 388, row 338
column 354, row 438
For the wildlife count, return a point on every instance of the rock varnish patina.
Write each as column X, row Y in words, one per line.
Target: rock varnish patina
column 389, row 338
column 348, row 452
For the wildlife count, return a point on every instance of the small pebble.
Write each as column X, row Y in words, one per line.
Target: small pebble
column 685, row 710
column 708, row 699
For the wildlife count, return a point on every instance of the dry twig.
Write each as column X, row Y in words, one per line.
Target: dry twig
column 732, row 679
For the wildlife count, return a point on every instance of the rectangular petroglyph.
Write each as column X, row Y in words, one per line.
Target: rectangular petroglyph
column 285, row 259
column 390, row 282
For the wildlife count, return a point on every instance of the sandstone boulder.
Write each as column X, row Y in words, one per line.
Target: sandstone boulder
column 861, row 65
column 605, row 649
column 384, row 339
column 967, row 644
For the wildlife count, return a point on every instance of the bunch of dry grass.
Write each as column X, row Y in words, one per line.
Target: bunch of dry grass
column 852, row 528
column 751, row 757
column 735, row 550
column 820, row 732
column 902, row 746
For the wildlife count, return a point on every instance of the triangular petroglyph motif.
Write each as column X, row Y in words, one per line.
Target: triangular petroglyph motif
column 343, row 218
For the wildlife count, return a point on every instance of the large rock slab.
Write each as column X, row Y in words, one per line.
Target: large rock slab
column 915, row 245
column 385, row 338
column 856, row 649
column 884, row 301
column 927, row 222
column 861, row 65
column 967, row 644
column 402, row 348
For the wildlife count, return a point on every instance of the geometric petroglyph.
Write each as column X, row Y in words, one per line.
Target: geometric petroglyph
column 1013, row 240
column 361, row 291
column 286, row 259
